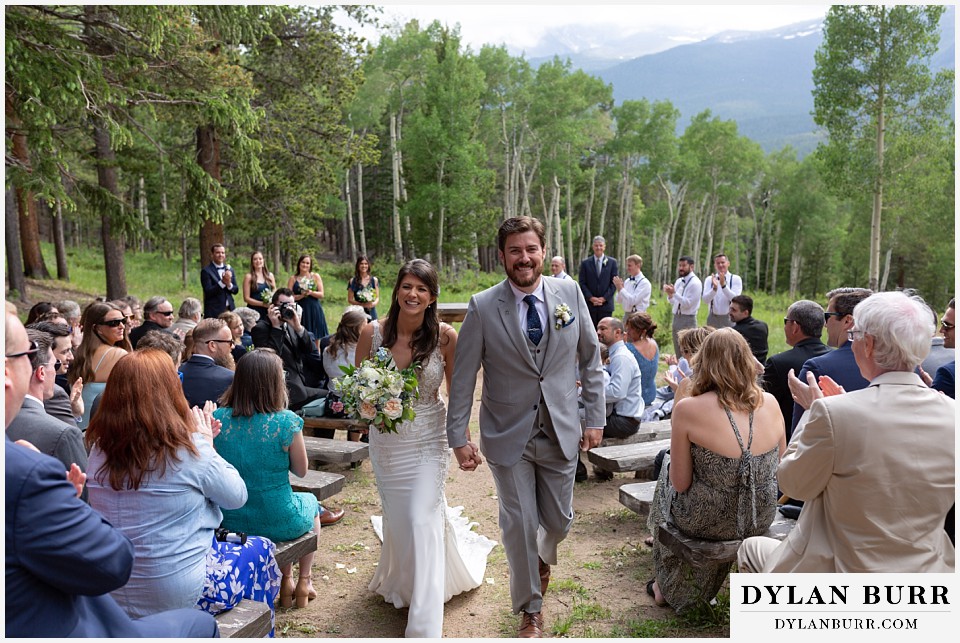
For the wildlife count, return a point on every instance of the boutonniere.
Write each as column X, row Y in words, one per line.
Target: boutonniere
column 563, row 315
column 604, row 262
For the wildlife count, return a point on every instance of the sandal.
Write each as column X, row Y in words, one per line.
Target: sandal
column 648, row 541
column 653, row 594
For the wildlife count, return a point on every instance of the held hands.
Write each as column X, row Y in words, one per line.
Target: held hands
column 468, row 457
column 76, row 398
column 591, row 438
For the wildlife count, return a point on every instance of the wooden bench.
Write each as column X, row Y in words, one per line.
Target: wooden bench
column 327, row 451
column 639, row 495
column 452, row 312
column 628, row 457
column 312, row 425
column 648, row 432
column 322, row 484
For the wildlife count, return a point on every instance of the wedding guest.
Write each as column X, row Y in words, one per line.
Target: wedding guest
column 558, row 268
column 188, row 315
column 209, row 370
column 64, row 406
column 258, row 285
column 690, row 340
column 363, row 282
column 719, row 480
column 155, row 474
column 38, row 309
column 158, row 313
column 136, row 310
column 104, row 343
column 640, row 328
column 250, row 318
column 233, row 321
column 219, row 283
column 71, row 311
column 342, row 350
column 264, row 441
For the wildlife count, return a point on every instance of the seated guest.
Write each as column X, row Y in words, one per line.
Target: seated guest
column 874, row 467
column 719, row 482
column 209, row 371
column 802, row 328
column 50, row 535
column 66, row 407
column 104, row 343
column 154, row 472
column 235, row 324
column 71, row 312
column 188, row 315
column 249, row 317
column 48, row 434
column 689, row 340
column 939, row 354
column 943, row 381
column 264, row 441
column 640, row 328
column 157, row 315
column 39, row 308
column 622, row 392
column 342, row 349
column 753, row 330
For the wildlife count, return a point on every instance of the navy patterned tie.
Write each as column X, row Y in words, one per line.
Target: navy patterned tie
column 534, row 329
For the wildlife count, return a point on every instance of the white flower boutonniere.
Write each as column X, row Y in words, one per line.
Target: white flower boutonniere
column 563, row 316
column 604, row 261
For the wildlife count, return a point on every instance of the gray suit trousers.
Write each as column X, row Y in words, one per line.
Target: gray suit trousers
column 719, row 321
column 681, row 322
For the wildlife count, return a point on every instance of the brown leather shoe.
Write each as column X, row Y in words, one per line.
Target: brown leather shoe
column 329, row 517
column 531, row 627
column 544, row 576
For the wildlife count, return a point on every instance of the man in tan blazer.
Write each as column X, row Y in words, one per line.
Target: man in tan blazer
column 875, row 467
column 530, row 335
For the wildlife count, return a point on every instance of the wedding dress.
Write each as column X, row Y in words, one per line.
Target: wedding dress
column 429, row 552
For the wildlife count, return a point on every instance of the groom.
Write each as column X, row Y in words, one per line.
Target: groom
column 529, row 424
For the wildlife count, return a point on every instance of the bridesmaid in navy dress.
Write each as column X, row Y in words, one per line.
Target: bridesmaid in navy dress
column 363, row 280
column 257, row 281
column 307, row 290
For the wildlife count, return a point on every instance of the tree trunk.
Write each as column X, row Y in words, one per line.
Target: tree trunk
column 33, row 264
column 443, row 213
column 886, row 270
column 877, row 196
column 349, row 222
column 568, row 248
column 63, row 271
column 113, row 261
column 361, row 225
column 208, row 156
column 16, row 279
column 395, row 164
column 144, row 216
column 796, row 263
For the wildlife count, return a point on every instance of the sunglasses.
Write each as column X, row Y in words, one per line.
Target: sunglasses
column 30, row 351
column 947, row 325
column 56, row 365
column 223, row 341
column 787, row 320
column 165, row 313
column 113, row 323
column 827, row 316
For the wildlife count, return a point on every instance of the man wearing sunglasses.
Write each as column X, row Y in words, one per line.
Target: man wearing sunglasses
column 209, row 371
column 157, row 315
column 33, row 423
column 943, row 381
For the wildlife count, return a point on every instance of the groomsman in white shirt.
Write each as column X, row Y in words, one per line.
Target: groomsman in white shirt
column 718, row 290
column 558, row 268
column 633, row 293
column 684, row 298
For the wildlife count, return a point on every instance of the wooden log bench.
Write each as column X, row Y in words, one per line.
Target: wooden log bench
column 451, row 313
column 251, row 619
column 628, row 457
column 312, row 425
column 326, row 451
column 697, row 552
column 648, row 432
column 322, row 484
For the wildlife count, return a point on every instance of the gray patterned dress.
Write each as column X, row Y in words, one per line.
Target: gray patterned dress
column 728, row 498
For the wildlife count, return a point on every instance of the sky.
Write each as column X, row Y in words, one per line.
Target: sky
column 521, row 26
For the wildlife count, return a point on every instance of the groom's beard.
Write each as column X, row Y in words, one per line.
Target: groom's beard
column 523, row 282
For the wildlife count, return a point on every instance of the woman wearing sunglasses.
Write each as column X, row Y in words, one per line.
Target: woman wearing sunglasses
column 104, row 342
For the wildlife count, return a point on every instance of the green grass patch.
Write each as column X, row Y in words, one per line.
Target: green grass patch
column 592, row 565
column 570, row 586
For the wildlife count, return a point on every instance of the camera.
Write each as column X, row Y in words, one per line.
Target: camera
column 226, row 536
column 287, row 310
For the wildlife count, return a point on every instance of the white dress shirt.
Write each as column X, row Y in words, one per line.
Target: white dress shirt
column 623, row 389
column 719, row 299
column 686, row 295
column 635, row 294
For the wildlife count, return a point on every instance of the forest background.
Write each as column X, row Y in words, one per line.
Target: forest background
column 148, row 133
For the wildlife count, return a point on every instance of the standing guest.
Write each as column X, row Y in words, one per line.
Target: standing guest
column 188, row 315
column 307, row 287
column 596, row 281
column 719, row 289
column 634, row 293
column 258, row 285
column 684, row 298
column 219, row 283
column 71, row 311
column 66, row 407
column 250, row 317
column 511, row 330
column 874, row 467
column 802, row 328
column 158, row 315
column 719, row 481
column 40, row 308
column 640, row 328
column 208, row 372
column 264, row 441
column 50, row 533
column 753, row 330
column 154, row 472
column 233, row 321
column 945, row 377
column 558, row 268
column 427, row 557
column 48, row 434
column 363, row 281
column 102, row 346
column 840, row 365
column 136, row 310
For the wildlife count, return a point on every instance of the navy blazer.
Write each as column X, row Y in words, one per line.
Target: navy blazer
column 62, row 558
column 840, row 365
column 204, row 380
column 594, row 285
column 215, row 298
column 776, row 369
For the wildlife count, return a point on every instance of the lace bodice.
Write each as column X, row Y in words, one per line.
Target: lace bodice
column 429, row 378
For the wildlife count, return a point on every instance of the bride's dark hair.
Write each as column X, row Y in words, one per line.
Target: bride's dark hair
column 425, row 338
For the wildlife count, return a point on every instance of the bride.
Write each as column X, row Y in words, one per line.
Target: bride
column 429, row 553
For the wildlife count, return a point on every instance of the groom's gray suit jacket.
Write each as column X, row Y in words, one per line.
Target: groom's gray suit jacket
column 513, row 384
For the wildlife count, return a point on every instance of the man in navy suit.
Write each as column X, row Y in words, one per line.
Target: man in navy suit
column 219, row 283
column 206, row 374
column 62, row 558
column 596, row 281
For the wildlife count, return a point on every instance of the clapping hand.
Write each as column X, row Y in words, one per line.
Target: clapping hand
column 77, row 478
column 76, row 398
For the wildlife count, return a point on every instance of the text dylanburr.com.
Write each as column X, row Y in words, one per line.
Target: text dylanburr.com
column 863, row 607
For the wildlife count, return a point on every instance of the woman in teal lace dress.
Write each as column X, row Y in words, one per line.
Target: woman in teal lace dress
column 263, row 441
column 720, row 482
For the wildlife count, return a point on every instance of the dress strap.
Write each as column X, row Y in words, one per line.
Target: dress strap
column 102, row 357
column 746, row 492
column 736, row 432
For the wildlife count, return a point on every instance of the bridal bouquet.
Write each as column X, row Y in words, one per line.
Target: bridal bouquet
column 365, row 295
column 376, row 391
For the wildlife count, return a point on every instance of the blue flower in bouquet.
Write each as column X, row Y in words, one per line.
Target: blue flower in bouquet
column 378, row 392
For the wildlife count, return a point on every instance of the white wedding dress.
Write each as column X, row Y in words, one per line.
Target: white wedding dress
column 429, row 552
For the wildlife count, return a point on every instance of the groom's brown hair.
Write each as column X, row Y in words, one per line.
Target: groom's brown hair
column 515, row 225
